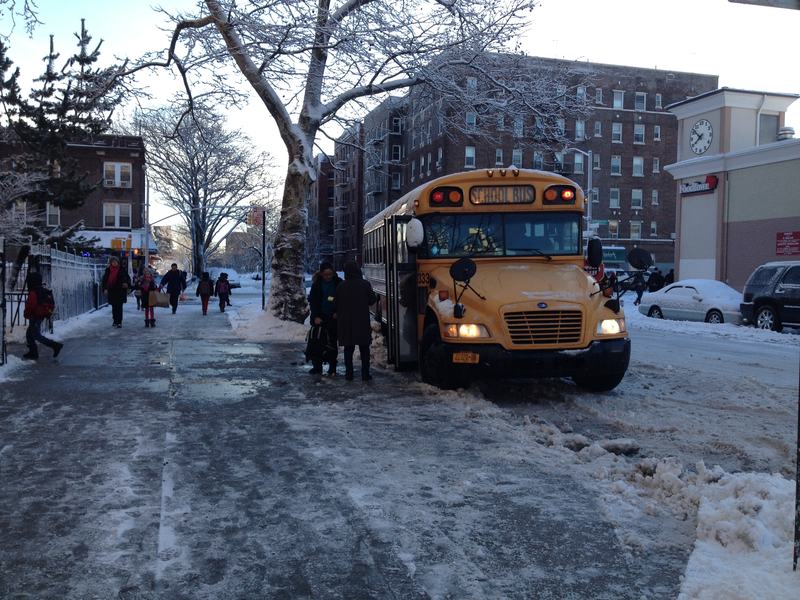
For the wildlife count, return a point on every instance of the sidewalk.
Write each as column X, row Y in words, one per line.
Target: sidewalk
column 183, row 462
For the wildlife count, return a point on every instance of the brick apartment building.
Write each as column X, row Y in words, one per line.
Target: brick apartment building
column 348, row 215
column 320, row 203
column 629, row 133
column 384, row 155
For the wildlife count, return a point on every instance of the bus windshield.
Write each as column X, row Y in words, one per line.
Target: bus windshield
column 501, row 234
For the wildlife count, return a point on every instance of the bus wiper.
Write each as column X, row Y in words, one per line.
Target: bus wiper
column 540, row 253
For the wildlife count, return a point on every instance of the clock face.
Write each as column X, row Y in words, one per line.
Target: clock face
column 700, row 136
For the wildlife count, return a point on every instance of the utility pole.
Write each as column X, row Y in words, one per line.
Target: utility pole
column 263, row 259
column 146, row 221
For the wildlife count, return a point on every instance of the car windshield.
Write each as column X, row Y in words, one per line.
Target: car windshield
column 501, row 234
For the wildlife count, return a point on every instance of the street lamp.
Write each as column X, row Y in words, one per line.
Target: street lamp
column 590, row 167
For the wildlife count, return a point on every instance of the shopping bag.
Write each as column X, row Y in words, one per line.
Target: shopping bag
column 159, row 299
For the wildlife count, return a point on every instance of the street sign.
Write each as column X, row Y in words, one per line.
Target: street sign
column 256, row 215
column 787, row 243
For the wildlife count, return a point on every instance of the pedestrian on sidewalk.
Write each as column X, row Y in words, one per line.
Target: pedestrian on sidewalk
column 116, row 284
column 222, row 290
column 39, row 306
column 175, row 282
column 639, row 286
column 322, row 298
column 353, row 299
column 137, row 289
column 148, row 285
column 205, row 289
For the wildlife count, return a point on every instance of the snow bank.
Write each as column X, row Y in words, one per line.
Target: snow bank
column 744, row 541
column 12, row 364
column 251, row 323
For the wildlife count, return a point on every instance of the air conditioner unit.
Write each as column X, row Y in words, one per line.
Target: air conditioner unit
column 110, row 183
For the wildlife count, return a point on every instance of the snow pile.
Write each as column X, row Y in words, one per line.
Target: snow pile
column 12, row 364
column 744, row 540
column 251, row 323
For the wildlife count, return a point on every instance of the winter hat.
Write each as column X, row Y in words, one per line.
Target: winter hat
column 351, row 270
column 34, row 280
column 325, row 265
column 205, row 276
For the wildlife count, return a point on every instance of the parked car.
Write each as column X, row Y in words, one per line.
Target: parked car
column 771, row 296
column 694, row 300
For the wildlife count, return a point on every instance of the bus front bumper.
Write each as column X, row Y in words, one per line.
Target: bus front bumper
column 601, row 357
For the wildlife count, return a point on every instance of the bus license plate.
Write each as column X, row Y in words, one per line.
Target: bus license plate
column 469, row 358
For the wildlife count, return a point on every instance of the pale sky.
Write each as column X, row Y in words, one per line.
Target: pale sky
column 748, row 47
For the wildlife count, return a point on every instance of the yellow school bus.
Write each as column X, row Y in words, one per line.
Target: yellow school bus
column 484, row 272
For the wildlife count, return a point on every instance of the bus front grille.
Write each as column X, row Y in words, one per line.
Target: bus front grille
column 544, row 327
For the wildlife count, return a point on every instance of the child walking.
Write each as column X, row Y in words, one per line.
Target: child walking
column 205, row 289
column 147, row 286
column 223, row 290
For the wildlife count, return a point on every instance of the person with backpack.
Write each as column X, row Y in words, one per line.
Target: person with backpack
column 116, row 283
column 353, row 299
column 39, row 306
column 175, row 283
column 322, row 299
column 205, row 289
column 223, row 291
column 147, row 286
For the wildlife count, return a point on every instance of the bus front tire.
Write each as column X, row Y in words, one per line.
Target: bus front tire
column 435, row 367
column 598, row 383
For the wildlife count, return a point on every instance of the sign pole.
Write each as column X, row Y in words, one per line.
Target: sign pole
column 796, row 552
column 263, row 260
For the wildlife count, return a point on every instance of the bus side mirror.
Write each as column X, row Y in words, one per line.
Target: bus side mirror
column 415, row 233
column 594, row 253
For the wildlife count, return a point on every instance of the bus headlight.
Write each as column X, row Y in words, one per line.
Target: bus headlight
column 465, row 330
column 610, row 326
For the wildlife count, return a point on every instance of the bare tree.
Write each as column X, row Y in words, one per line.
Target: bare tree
column 314, row 63
column 206, row 172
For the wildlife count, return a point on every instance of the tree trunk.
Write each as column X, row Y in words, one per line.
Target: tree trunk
column 287, row 292
column 198, row 247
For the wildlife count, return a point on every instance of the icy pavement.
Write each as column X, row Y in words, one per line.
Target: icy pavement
column 183, row 462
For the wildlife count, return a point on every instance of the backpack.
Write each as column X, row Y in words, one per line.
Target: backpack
column 318, row 346
column 223, row 287
column 45, row 303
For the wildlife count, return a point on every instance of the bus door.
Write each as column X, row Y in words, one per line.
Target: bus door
column 401, row 276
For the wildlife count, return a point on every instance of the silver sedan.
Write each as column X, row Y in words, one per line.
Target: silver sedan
column 694, row 300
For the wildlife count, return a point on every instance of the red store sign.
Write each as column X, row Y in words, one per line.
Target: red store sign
column 709, row 184
column 787, row 243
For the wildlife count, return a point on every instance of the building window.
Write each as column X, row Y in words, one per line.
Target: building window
column 656, row 165
column 616, row 132
column 118, row 175
column 469, row 157
column 616, row 164
column 53, row 215
column 561, row 126
column 421, row 165
column 472, row 83
column 596, row 162
column 117, row 216
column 654, row 228
column 498, row 156
column 413, row 170
column 658, row 101
column 516, row 157
column 578, row 164
column 598, row 129
column 538, row 126
column 619, row 99
column 472, row 120
column 654, row 197
column 638, row 133
column 429, row 163
column 501, row 122
column 538, row 160
column 439, row 159
column 613, row 228
column 636, row 198
column 580, row 130
column 518, row 129
column 636, row 230
column 558, row 161
column 598, row 95
column 657, row 133
column 638, row 166
column 613, row 198
column 580, row 93
column 396, row 152
column 595, row 196
column 640, row 101
column 397, row 125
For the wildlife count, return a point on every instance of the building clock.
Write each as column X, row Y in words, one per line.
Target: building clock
column 700, row 136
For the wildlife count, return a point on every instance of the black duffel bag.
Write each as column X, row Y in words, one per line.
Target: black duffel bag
column 318, row 346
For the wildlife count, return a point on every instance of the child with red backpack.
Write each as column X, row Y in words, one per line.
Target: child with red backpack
column 205, row 289
column 223, row 291
column 39, row 306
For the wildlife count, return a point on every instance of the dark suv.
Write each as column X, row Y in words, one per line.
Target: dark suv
column 772, row 296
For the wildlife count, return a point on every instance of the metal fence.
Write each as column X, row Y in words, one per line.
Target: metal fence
column 3, row 300
column 75, row 281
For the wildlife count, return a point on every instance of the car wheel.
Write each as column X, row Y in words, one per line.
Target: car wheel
column 714, row 316
column 434, row 364
column 655, row 313
column 767, row 318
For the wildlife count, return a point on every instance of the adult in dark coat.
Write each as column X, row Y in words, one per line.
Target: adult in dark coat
column 656, row 281
column 353, row 300
column 175, row 282
column 322, row 300
column 639, row 286
column 116, row 284
column 669, row 279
